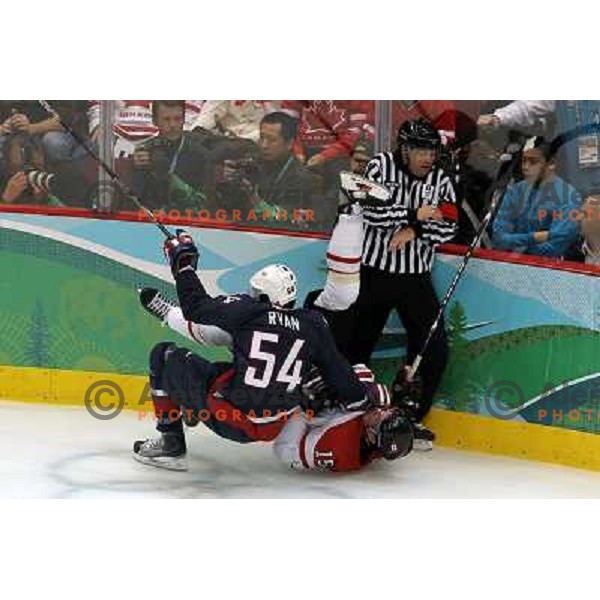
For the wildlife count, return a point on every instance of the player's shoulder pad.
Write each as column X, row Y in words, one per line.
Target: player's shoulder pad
column 235, row 298
column 241, row 302
column 241, row 307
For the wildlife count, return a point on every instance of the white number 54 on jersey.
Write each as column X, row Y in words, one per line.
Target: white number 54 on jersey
column 290, row 369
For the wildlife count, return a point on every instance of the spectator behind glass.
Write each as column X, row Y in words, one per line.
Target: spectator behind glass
column 587, row 247
column 577, row 133
column 30, row 138
column 234, row 118
column 133, row 122
column 328, row 130
column 535, row 215
column 230, row 129
column 170, row 169
column 361, row 155
column 274, row 182
column 32, row 141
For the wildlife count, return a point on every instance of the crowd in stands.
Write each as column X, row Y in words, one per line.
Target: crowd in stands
column 284, row 157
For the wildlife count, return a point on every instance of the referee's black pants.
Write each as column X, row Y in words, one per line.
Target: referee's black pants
column 413, row 297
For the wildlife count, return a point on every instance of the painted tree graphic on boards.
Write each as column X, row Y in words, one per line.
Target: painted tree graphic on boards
column 36, row 353
column 455, row 384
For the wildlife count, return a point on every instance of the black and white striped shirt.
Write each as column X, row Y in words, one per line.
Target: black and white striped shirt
column 409, row 193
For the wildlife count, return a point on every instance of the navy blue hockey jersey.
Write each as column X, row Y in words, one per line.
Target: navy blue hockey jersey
column 273, row 349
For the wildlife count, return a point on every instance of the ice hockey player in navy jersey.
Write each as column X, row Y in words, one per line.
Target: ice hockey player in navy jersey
column 274, row 346
column 350, row 438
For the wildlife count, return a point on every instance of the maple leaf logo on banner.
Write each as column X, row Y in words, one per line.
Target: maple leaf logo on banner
column 323, row 116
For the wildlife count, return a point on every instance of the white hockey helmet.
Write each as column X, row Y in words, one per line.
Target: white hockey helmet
column 276, row 282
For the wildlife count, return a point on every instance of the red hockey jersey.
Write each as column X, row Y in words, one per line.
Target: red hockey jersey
column 335, row 445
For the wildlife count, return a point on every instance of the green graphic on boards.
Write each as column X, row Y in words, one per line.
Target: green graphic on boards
column 66, row 317
column 37, row 347
column 538, row 359
column 64, row 307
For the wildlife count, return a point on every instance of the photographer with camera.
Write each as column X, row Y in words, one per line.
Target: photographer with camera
column 170, row 170
column 31, row 187
column 276, row 181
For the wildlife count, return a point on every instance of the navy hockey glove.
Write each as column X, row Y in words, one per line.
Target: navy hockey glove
column 315, row 395
column 181, row 252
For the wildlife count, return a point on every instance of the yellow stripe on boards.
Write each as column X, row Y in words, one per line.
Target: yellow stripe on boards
column 510, row 438
column 452, row 429
column 57, row 386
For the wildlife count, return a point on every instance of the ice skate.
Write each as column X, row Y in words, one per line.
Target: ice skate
column 357, row 191
column 166, row 452
column 155, row 303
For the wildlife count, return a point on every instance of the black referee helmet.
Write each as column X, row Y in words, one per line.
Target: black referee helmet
column 419, row 133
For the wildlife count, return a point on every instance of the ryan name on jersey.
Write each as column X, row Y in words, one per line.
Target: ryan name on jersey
column 284, row 320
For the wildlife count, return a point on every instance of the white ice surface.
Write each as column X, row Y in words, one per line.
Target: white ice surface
column 57, row 452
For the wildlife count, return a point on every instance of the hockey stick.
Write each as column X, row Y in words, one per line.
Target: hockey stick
column 114, row 177
column 510, row 159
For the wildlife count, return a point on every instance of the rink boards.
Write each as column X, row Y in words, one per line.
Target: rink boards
column 523, row 377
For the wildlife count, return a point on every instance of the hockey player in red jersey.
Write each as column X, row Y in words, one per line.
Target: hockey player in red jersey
column 336, row 439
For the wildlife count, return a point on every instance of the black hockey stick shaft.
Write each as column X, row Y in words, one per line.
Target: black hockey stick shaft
column 500, row 184
column 111, row 173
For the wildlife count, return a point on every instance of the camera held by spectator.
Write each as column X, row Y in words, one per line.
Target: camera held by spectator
column 31, row 187
column 154, row 155
column 241, row 170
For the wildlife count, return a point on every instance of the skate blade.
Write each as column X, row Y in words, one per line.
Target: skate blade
column 163, row 462
column 351, row 182
column 422, row 445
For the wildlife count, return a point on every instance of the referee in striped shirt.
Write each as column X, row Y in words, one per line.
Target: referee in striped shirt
column 398, row 254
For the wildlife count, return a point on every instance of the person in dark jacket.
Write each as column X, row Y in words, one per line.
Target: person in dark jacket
column 276, row 181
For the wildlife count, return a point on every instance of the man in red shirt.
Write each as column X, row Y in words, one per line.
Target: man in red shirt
column 328, row 131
